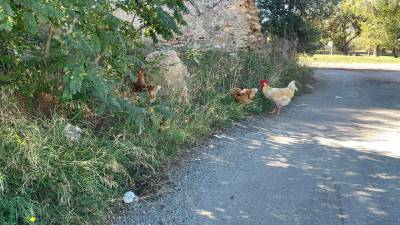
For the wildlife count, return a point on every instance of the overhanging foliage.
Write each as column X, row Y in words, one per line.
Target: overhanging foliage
column 81, row 43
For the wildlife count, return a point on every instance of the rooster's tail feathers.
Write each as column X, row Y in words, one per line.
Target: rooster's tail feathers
column 292, row 85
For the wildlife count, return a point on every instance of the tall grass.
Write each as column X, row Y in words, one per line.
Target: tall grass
column 45, row 177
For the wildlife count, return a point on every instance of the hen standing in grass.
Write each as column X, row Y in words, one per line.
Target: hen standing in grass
column 280, row 96
column 140, row 85
column 243, row 96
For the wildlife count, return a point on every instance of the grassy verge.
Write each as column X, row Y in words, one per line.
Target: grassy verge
column 44, row 179
column 347, row 59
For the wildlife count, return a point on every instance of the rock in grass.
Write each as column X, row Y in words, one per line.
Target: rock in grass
column 173, row 70
column 129, row 197
column 73, row 133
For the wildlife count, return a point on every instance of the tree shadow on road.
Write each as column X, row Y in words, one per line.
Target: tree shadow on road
column 349, row 160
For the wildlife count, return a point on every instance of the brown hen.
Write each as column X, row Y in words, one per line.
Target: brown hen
column 140, row 85
column 243, row 96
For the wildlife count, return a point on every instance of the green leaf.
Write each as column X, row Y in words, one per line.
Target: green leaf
column 30, row 22
column 2, row 13
column 4, row 4
column 7, row 26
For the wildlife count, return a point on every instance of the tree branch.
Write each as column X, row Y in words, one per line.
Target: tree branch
column 195, row 6
column 98, row 58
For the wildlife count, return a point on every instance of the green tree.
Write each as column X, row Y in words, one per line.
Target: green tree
column 381, row 23
column 342, row 28
column 295, row 21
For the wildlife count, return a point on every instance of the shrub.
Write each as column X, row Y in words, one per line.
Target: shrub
column 80, row 49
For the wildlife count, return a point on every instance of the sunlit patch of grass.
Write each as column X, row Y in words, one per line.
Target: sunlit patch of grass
column 347, row 59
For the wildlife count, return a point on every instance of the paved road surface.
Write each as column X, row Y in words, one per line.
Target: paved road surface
column 333, row 157
column 364, row 66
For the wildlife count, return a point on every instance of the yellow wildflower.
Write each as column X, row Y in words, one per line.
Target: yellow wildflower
column 19, row 140
column 32, row 219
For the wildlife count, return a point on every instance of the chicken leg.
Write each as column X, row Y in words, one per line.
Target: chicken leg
column 275, row 108
column 279, row 111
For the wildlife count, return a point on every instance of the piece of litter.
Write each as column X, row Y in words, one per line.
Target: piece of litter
column 129, row 197
column 338, row 97
column 73, row 133
column 241, row 125
column 211, row 146
column 301, row 105
column 222, row 136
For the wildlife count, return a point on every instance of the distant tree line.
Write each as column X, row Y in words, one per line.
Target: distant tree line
column 369, row 25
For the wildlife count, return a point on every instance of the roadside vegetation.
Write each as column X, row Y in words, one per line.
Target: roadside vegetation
column 45, row 177
column 74, row 62
column 317, row 58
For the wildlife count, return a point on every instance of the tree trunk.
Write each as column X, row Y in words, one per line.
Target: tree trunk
column 345, row 47
column 394, row 51
column 376, row 51
column 48, row 44
column 345, row 50
column 285, row 48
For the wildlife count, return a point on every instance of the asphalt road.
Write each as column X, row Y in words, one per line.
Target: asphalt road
column 333, row 157
column 364, row 66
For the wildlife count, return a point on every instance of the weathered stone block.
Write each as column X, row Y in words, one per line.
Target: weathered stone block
column 174, row 71
column 232, row 25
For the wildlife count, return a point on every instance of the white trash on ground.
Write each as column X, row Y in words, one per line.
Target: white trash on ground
column 73, row 133
column 129, row 197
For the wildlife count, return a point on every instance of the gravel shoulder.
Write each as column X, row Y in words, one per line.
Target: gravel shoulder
column 333, row 157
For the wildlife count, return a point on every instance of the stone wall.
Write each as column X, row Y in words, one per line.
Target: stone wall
column 230, row 25
column 226, row 24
